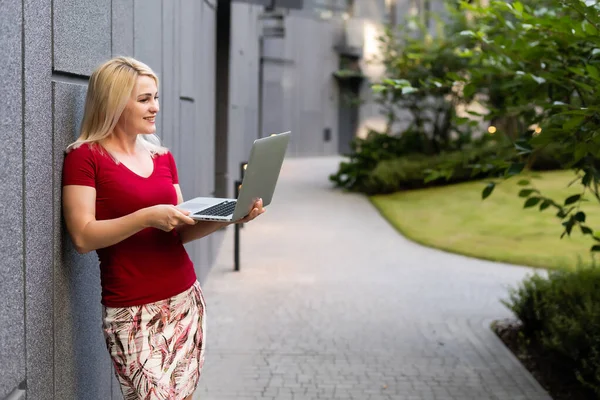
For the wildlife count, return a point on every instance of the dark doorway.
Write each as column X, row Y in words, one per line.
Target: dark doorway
column 223, row 37
column 348, row 112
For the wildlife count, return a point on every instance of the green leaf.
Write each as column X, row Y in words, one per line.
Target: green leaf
column 526, row 192
column 538, row 79
column 545, row 204
column 523, row 148
column 561, row 214
column 593, row 71
column 518, row 6
column 587, row 178
column 431, row 175
column 580, row 216
column 585, row 230
column 572, row 199
column 475, row 114
column 568, row 226
column 581, row 150
column 571, row 123
column 409, row 89
column 588, row 28
column 515, row 169
column 595, row 248
column 531, row 202
column 523, row 182
column 469, row 90
column 489, row 188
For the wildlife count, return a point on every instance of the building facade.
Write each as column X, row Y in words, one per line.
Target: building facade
column 230, row 72
column 316, row 78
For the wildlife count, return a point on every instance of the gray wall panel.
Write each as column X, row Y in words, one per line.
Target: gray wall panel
column 243, row 85
column 38, row 199
column 187, row 151
column 175, row 143
column 187, row 68
column 147, row 43
column 185, row 161
column 206, row 97
column 169, row 99
column 202, row 137
column 291, row 4
column 12, row 330
column 122, row 27
column 307, row 57
column 82, row 366
column 82, row 35
column 253, row 2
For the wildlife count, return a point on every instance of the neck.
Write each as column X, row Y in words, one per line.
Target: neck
column 121, row 142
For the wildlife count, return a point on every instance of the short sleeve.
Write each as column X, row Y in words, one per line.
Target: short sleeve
column 173, row 169
column 79, row 167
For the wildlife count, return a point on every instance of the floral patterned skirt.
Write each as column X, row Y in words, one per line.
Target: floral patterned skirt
column 157, row 349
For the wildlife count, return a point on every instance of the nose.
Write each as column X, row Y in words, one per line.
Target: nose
column 154, row 107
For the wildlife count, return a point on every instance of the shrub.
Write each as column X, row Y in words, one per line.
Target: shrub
column 561, row 314
column 368, row 152
column 413, row 171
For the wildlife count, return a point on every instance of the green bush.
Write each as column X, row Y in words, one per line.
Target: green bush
column 561, row 314
column 368, row 152
column 382, row 163
column 410, row 172
column 413, row 171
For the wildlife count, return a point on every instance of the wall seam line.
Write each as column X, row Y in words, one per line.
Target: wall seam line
column 23, row 201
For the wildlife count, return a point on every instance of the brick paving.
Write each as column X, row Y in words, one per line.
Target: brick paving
column 331, row 303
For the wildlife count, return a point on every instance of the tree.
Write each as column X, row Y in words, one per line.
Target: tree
column 535, row 65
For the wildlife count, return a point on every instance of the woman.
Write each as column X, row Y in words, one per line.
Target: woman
column 120, row 191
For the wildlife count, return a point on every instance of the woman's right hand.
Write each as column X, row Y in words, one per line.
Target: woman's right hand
column 167, row 217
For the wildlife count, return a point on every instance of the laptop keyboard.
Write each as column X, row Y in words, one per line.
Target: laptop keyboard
column 222, row 209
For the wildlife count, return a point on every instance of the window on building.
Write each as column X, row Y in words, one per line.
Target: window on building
column 333, row 8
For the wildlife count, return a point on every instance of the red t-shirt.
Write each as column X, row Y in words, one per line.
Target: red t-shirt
column 151, row 265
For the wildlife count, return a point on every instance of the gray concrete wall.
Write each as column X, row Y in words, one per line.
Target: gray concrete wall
column 51, row 344
column 299, row 91
column 243, row 89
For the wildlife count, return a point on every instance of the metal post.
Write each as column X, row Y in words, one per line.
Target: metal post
column 236, row 234
column 243, row 166
column 261, row 63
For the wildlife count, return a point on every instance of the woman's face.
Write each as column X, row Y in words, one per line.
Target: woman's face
column 140, row 113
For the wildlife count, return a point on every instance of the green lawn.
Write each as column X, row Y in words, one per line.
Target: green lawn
column 456, row 219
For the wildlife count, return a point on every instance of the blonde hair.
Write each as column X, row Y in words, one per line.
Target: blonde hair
column 109, row 90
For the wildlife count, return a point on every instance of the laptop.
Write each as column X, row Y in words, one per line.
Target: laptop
column 260, row 178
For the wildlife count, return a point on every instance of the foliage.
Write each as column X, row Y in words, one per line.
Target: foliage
column 368, row 152
column 430, row 110
column 561, row 313
column 384, row 164
column 536, row 67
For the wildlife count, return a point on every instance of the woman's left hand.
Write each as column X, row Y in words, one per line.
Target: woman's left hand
column 257, row 209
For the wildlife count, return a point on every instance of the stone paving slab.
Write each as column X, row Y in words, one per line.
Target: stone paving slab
column 332, row 303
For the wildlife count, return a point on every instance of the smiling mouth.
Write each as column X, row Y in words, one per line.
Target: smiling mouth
column 150, row 119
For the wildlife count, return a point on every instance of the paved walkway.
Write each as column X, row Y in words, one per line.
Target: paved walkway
column 331, row 303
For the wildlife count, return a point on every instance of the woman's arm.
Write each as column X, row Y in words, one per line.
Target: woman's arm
column 79, row 209
column 204, row 228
